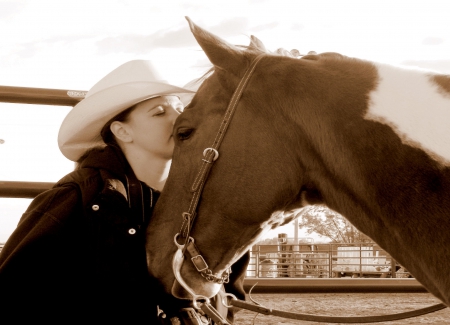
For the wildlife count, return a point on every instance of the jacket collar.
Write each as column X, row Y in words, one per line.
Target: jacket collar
column 109, row 158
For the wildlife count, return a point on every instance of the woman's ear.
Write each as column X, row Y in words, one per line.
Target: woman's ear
column 120, row 131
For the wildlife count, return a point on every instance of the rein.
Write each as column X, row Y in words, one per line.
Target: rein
column 189, row 248
column 336, row 319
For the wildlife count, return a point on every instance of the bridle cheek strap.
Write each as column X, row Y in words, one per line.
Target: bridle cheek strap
column 210, row 155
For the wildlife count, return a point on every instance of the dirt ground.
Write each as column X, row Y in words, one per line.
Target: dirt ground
column 344, row 304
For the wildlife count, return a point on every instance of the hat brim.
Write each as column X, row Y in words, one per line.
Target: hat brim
column 80, row 130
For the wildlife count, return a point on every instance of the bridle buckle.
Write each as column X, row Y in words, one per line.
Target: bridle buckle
column 199, row 263
column 206, row 152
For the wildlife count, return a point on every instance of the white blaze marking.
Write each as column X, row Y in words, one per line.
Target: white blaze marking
column 417, row 109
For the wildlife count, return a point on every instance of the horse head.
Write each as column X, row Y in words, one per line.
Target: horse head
column 300, row 131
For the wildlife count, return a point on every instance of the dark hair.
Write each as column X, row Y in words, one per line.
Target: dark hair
column 106, row 134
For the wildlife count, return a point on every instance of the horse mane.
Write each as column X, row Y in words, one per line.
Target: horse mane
column 197, row 82
column 294, row 53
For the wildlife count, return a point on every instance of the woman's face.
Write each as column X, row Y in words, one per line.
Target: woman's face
column 150, row 125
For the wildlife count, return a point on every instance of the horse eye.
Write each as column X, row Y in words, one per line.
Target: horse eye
column 184, row 134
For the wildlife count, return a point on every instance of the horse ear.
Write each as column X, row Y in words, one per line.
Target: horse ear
column 256, row 44
column 221, row 53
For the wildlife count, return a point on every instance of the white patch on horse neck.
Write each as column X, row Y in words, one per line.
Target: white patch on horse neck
column 415, row 107
column 276, row 219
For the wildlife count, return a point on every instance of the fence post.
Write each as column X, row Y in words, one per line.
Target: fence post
column 393, row 267
column 330, row 262
column 282, row 269
column 258, row 256
column 360, row 261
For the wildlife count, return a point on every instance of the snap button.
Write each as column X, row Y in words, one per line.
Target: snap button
column 132, row 231
column 95, row 207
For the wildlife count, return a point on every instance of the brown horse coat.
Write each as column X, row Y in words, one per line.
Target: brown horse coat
column 369, row 140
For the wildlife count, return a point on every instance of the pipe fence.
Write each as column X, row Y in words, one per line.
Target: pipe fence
column 332, row 260
column 40, row 96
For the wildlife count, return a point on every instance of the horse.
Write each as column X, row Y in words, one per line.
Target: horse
column 267, row 134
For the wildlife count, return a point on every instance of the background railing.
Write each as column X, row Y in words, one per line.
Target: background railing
column 333, row 260
column 42, row 96
column 10, row 189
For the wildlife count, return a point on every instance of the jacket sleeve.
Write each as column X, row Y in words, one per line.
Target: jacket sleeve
column 40, row 226
column 33, row 260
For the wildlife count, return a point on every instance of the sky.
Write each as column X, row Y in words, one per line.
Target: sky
column 66, row 44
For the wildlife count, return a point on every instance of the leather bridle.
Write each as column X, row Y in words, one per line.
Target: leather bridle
column 210, row 155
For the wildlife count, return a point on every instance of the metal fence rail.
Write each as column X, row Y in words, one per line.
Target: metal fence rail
column 23, row 190
column 334, row 260
column 41, row 96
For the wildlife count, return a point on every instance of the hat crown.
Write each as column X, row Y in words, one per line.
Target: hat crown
column 129, row 72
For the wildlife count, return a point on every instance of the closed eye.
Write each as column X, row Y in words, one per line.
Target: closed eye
column 157, row 111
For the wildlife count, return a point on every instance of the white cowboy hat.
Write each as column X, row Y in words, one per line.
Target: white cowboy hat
column 127, row 85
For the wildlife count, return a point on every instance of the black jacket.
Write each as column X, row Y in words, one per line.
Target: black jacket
column 78, row 253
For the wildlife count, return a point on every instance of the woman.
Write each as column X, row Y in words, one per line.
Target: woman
column 78, row 253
